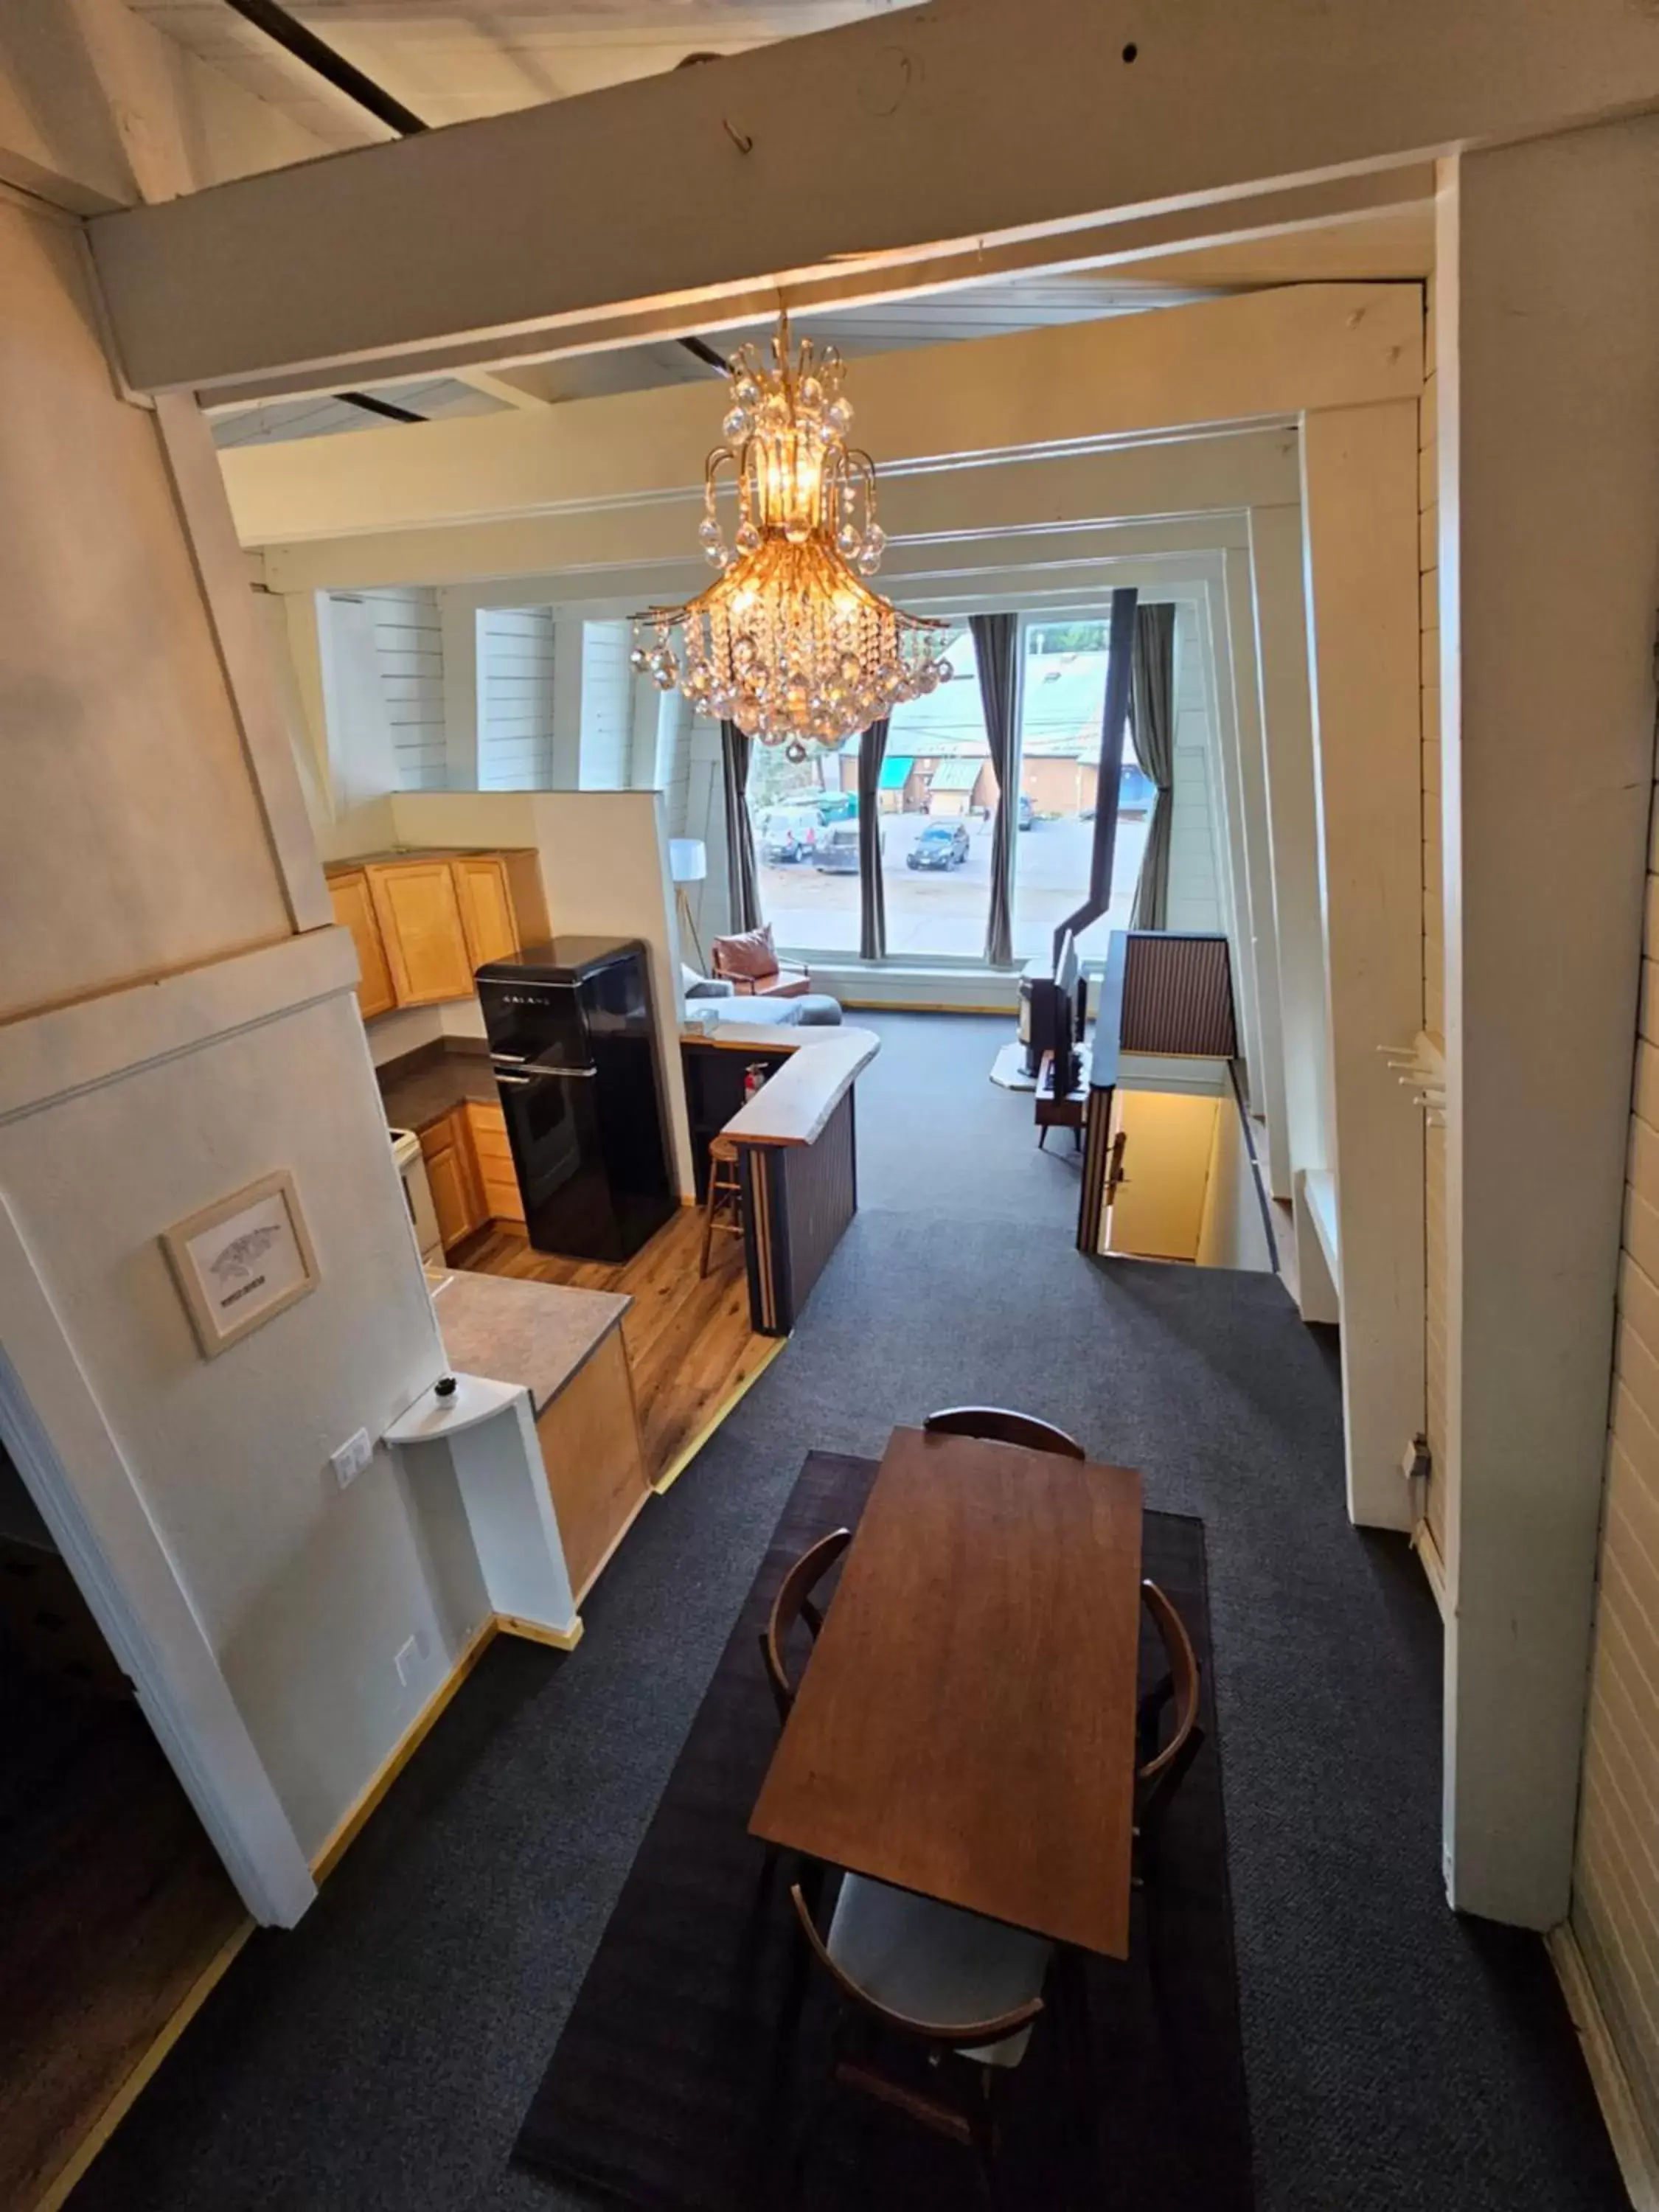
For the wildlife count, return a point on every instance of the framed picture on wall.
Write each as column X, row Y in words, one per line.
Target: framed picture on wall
column 240, row 1262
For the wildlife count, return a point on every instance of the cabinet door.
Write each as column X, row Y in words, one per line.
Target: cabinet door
column 486, row 904
column 451, row 1170
column 595, row 1462
column 355, row 910
column 420, row 920
column 443, row 1175
column 497, row 1176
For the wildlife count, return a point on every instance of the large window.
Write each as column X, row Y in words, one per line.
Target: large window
column 937, row 800
column 1063, row 699
column 805, row 817
column 937, row 795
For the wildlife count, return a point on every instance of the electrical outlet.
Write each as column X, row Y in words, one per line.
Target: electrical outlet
column 351, row 1459
column 408, row 1659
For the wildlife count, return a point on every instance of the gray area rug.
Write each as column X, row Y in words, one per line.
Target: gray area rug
column 1398, row 2059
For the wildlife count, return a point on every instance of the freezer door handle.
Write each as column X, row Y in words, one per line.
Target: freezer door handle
column 547, row 1075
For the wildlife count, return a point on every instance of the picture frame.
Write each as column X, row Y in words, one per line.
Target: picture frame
column 242, row 1260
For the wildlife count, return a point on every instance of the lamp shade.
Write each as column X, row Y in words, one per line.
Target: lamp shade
column 687, row 860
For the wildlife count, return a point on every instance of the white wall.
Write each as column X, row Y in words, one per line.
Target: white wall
column 305, row 1592
column 1233, row 1233
column 1194, row 887
column 517, row 693
column 142, row 853
column 604, row 870
column 607, row 726
column 408, row 649
column 126, row 792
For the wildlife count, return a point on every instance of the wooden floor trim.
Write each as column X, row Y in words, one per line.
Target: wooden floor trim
column 531, row 1632
column 70, row 2173
column 722, row 1413
column 1639, row 2159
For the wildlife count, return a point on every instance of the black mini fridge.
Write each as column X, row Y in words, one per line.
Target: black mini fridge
column 573, row 1041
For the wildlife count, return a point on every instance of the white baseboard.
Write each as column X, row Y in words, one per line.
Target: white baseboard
column 1638, row 2160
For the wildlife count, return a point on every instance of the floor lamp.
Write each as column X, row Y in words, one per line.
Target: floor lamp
column 687, row 863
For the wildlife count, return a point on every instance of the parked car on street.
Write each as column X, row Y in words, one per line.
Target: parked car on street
column 789, row 833
column 838, row 849
column 837, row 806
column 941, row 845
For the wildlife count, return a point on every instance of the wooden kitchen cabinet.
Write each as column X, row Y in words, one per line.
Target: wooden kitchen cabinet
column 423, row 923
column 497, row 1176
column 419, row 912
column 595, row 1460
column 486, row 902
column 452, row 1173
column 354, row 910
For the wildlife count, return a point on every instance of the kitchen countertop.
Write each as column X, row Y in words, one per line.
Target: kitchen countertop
column 794, row 1106
column 416, row 1096
column 533, row 1335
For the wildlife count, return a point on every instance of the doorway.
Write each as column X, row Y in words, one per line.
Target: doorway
column 117, row 1907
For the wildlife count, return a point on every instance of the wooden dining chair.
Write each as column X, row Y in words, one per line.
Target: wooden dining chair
column 965, row 1990
column 999, row 1424
column 1159, row 1767
column 794, row 1602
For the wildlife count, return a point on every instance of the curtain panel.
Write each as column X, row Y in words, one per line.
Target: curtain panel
column 872, row 896
column 1152, row 728
column 742, row 876
column 996, row 649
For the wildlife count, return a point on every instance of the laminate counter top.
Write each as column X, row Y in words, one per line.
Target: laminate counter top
column 536, row 1335
column 420, row 1090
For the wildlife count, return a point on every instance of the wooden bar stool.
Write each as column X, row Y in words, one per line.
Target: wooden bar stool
column 723, row 1207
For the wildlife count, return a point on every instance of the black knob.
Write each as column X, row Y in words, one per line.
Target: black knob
column 445, row 1386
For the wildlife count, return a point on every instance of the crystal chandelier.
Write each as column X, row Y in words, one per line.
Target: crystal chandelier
column 788, row 642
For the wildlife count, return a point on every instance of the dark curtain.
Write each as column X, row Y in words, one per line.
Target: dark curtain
column 996, row 649
column 872, row 896
column 1152, row 725
column 739, row 831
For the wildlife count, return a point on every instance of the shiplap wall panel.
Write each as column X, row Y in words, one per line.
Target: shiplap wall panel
column 1615, row 1902
column 516, row 662
column 1434, row 935
column 1194, row 885
column 408, row 652
column 607, row 706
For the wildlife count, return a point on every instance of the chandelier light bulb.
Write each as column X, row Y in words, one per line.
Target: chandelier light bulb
column 788, row 642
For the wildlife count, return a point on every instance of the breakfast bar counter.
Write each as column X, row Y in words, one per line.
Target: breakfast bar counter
column 795, row 1142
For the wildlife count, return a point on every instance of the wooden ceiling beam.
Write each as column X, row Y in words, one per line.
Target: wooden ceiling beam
column 962, row 124
column 1260, row 357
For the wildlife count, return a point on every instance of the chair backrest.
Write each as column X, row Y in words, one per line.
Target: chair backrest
column 749, row 957
column 949, row 2035
column 998, row 1424
column 793, row 1603
column 1183, row 1679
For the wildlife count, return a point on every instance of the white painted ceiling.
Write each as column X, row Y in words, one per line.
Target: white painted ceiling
column 449, row 60
column 322, row 415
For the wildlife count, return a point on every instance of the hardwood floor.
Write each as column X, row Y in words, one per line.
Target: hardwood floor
column 689, row 1344
column 113, row 1905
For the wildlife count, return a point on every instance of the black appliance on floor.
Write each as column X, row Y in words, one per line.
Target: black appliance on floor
column 573, row 1041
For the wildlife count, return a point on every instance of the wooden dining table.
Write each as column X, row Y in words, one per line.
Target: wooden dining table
column 965, row 1727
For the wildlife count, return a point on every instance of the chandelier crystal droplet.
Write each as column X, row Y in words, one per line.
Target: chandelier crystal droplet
column 789, row 642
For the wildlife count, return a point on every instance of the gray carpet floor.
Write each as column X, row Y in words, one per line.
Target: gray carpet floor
column 1399, row 2059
